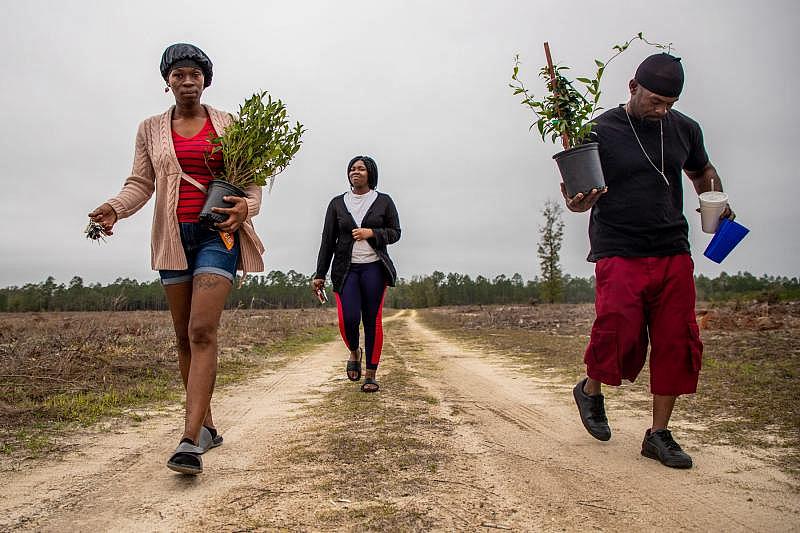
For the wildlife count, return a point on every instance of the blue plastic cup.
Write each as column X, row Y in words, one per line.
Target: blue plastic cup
column 728, row 235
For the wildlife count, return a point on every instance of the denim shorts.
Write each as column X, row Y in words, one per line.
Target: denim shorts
column 205, row 253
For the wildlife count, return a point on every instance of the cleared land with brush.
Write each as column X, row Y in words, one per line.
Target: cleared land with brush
column 474, row 429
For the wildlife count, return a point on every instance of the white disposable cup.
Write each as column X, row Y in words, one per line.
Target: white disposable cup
column 712, row 205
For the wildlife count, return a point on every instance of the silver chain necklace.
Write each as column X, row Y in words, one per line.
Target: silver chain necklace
column 661, row 128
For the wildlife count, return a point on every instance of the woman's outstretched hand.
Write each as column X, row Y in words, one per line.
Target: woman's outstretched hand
column 105, row 216
column 362, row 234
column 236, row 214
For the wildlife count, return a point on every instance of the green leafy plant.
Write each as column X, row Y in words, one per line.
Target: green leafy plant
column 259, row 144
column 567, row 111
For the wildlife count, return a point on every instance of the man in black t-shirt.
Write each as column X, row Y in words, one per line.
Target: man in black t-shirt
column 639, row 240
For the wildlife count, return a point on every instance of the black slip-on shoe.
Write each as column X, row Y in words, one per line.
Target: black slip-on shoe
column 661, row 446
column 592, row 411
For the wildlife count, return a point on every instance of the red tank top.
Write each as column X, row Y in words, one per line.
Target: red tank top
column 193, row 156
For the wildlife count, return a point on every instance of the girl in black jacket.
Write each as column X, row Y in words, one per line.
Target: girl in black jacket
column 358, row 226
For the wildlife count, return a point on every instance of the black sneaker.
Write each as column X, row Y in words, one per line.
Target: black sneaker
column 660, row 445
column 592, row 411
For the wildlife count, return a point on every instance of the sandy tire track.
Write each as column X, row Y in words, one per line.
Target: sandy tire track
column 545, row 465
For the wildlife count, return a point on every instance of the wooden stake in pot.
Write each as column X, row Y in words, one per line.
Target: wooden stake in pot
column 564, row 136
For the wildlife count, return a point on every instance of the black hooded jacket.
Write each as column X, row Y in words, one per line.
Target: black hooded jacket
column 337, row 238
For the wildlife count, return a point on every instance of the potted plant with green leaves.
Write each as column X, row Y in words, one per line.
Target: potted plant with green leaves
column 566, row 112
column 257, row 146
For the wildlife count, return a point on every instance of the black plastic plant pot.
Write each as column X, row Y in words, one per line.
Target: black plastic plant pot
column 580, row 169
column 216, row 190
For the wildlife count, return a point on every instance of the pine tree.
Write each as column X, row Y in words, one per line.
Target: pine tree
column 549, row 248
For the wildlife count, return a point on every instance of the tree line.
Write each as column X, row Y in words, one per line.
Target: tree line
column 291, row 290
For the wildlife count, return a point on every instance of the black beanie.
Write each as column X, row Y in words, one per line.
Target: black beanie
column 661, row 74
column 186, row 55
column 372, row 170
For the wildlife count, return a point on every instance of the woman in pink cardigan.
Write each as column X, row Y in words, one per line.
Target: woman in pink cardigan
column 197, row 265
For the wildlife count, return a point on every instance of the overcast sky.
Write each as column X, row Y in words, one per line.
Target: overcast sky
column 421, row 86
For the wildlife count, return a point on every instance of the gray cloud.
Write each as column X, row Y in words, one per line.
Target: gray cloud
column 422, row 86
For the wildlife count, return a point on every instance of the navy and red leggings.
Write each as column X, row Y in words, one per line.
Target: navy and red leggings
column 361, row 297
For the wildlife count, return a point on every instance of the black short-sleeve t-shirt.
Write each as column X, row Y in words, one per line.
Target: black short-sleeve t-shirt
column 640, row 215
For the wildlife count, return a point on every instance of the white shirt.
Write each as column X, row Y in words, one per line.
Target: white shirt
column 358, row 205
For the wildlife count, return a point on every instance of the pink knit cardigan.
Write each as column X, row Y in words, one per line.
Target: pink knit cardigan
column 156, row 168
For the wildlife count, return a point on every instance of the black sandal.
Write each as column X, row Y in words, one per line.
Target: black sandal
column 355, row 366
column 208, row 439
column 368, row 382
column 186, row 459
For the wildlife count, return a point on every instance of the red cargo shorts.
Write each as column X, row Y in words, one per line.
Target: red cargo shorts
column 640, row 299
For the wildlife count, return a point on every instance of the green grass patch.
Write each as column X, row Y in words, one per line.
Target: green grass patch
column 86, row 408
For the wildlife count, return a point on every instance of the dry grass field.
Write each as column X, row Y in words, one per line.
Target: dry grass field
column 59, row 370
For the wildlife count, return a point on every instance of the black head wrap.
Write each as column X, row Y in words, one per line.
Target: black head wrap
column 661, row 74
column 186, row 55
column 372, row 170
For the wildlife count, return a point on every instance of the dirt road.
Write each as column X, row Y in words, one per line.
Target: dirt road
column 497, row 450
